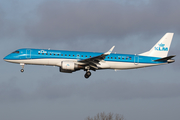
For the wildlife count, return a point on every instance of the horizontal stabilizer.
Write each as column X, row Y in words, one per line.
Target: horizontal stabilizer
column 165, row 58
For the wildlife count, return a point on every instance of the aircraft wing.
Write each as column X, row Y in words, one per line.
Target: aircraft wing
column 93, row 61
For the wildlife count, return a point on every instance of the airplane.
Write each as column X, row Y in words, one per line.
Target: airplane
column 71, row 61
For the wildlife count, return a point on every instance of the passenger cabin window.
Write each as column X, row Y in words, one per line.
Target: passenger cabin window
column 46, row 53
column 42, row 53
column 39, row 53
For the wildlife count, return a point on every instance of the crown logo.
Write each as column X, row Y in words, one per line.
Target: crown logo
column 161, row 45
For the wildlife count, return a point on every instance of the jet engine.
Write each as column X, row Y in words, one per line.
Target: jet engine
column 69, row 67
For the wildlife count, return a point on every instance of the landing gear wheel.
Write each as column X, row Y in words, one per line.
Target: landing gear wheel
column 88, row 74
column 22, row 70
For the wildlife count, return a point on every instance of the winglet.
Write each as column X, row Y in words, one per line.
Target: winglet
column 109, row 52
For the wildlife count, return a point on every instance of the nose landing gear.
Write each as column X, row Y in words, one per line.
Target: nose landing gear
column 87, row 75
column 22, row 70
column 22, row 65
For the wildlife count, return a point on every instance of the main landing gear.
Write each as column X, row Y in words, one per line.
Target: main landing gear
column 22, row 65
column 88, row 74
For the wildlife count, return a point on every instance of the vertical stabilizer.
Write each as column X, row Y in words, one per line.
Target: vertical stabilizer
column 161, row 48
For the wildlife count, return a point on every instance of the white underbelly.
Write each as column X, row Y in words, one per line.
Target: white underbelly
column 128, row 65
column 102, row 65
column 52, row 62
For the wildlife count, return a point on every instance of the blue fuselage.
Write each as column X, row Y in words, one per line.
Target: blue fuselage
column 26, row 53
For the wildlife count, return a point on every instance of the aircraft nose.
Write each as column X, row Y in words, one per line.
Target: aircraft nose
column 6, row 58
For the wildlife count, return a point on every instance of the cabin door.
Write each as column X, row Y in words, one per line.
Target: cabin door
column 136, row 59
column 28, row 53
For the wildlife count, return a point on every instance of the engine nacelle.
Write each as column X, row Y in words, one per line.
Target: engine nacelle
column 66, row 65
column 69, row 67
column 65, row 71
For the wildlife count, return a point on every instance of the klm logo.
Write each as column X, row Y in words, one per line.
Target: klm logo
column 67, row 65
column 42, row 51
column 161, row 47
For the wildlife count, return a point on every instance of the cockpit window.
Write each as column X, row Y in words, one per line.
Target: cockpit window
column 16, row 52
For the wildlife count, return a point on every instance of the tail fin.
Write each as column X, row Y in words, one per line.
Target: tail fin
column 161, row 48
